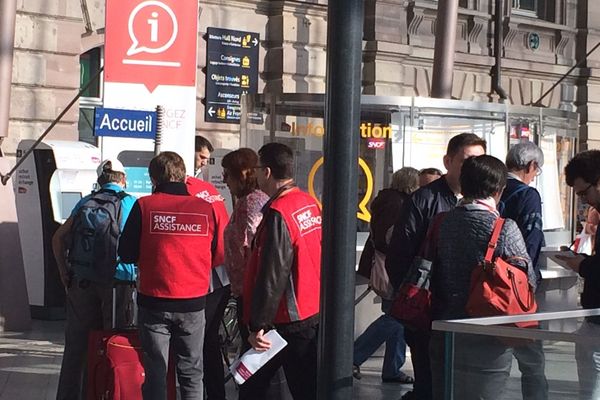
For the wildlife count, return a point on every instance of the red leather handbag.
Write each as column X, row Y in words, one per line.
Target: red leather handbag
column 500, row 288
column 412, row 305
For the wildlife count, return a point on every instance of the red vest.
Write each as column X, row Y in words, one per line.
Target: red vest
column 302, row 218
column 175, row 246
column 206, row 191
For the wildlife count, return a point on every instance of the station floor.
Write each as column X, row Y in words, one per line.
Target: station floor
column 30, row 365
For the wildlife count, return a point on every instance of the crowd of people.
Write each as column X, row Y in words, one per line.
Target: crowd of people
column 182, row 257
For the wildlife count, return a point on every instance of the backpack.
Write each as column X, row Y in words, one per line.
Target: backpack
column 95, row 236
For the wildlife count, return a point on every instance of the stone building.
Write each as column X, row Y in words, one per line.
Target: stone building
column 58, row 44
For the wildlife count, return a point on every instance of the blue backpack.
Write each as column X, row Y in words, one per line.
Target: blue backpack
column 95, row 237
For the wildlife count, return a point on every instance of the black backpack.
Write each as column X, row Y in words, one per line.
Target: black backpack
column 95, row 236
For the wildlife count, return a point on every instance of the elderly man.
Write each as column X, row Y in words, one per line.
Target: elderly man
column 523, row 204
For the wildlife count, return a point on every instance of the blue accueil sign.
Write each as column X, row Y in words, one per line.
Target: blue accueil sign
column 124, row 123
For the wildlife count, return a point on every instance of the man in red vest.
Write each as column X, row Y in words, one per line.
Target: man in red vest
column 219, row 293
column 171, row 235
column 282, row 281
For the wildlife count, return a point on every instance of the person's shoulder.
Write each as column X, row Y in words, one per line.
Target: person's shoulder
column 431, row 190
column 204, row 190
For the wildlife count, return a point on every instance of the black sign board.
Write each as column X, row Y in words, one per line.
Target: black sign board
column 231, row 69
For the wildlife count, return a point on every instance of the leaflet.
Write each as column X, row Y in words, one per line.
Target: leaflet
column 251, row 361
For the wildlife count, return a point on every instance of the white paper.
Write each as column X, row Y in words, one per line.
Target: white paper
column 251, row 361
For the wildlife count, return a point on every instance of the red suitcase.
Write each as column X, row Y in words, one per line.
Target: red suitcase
column 115, row 369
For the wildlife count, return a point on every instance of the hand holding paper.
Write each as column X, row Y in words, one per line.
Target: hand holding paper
column 567, row 259
column 252, row 360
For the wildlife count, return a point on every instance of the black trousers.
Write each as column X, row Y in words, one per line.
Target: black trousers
column 418, row 341
column 214, row 375
column 299, row 362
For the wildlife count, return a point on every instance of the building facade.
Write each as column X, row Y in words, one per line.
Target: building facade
column 59, row 44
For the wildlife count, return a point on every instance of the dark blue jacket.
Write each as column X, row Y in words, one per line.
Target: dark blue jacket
column 525, row 208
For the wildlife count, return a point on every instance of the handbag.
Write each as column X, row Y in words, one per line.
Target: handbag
column 412, row 305
column 379, row 280
column 499, row 287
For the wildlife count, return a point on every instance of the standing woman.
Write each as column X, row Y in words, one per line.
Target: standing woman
column 239, row 176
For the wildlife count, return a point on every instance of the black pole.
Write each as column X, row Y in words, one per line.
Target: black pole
column 5, row 178
column 498, row 42
column 340, row 196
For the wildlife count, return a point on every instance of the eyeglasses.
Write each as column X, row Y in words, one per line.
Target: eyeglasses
column 583, row 193
column 538, row 170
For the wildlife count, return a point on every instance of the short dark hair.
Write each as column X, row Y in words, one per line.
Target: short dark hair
column 482, row 176
column 279, row 158
column 430, row 171
column 462, row 140
column 167, row 167
column 110, row 176
column 585, row 165
column 201, row 142
column 238, row 161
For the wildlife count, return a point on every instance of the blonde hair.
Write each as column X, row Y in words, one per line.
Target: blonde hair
column 405, row 180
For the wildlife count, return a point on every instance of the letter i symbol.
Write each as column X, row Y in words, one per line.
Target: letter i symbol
column 153, row 22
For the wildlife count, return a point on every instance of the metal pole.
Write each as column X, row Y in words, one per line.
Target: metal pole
column 5, row 178
column 340, row 195
column 160, row 117
column 8, row 11
column 445, row 42
column 498, row 45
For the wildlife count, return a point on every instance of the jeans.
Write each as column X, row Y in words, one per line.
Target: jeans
column 184, row 332
column 384, row 329
column 89, row 307
column 531, row 360
column 481, row 367
column 588, row 362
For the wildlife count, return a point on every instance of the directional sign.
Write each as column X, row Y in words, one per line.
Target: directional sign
column 124, row 123
column 231, row 69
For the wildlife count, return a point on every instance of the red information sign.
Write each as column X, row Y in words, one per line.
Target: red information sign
column 152, row 42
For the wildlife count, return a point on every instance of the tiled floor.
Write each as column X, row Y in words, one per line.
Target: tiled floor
column 30, row 365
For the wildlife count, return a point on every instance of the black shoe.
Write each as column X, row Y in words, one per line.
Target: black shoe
column 402, row 378
column 356, row 372
column 408, row 396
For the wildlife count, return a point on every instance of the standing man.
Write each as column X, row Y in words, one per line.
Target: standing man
column 282, row 280
column 171, row 236
column 219, row 292
column 89, row 290
column 408, row 235
column 202, row 148
column 523, row 204
column 583, row 174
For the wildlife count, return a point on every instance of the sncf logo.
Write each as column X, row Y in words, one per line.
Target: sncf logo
column 307, row 219
column 204, row 195
column 173, row 223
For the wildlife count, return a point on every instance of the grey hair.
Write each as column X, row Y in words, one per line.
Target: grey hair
column 521, row 154
column 405, row 180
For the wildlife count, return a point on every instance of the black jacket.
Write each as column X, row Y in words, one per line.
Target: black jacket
column 412, row 225
column 589, row 269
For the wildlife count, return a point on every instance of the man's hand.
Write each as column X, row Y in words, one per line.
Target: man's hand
column 573, row 262
column 258, row 341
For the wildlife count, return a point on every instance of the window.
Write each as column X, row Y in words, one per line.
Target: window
column 89, row 64
column 542, row 9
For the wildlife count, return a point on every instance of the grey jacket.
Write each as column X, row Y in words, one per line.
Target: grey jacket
column 463, row 238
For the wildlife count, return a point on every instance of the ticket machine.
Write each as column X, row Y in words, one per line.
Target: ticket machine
column 48, row 184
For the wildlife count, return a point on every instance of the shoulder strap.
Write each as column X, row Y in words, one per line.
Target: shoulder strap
column 489, row 254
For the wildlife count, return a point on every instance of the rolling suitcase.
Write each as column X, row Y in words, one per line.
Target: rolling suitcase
column 115, row 369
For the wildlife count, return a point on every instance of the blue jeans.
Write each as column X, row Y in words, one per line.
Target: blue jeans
column 184, row 331
column 384, row 329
